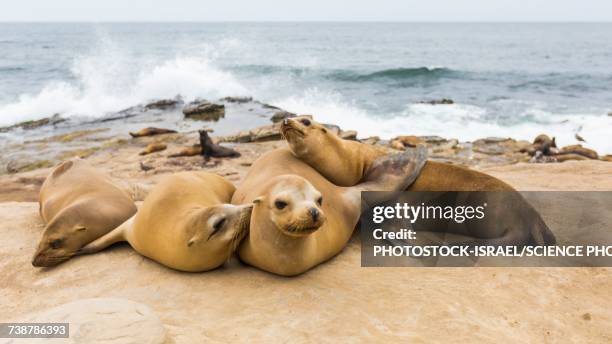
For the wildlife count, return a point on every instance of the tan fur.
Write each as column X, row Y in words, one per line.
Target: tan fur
column 78, row 205
column 279, row 172
column 174, row 225
column 322, row 150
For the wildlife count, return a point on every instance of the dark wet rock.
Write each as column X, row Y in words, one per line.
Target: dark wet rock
column 163, row 104
column 259, row 134
column 433, row 139
column 442, row 101
column 268, row 106
column 281, row 115
column 53, row 120
column 212, row 150
column 151, row 131
column 239, row 100
column 204, row 110
column 348, row 135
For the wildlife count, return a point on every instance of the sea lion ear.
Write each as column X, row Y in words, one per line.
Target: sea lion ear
column 258, row 200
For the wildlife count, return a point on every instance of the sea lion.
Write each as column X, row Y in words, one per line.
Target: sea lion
column 153, row 147
column 346, row 162
column 188, row 151
column 184, row 223
column 151, row 131
column 78, row 205
column 210, row 149
column 300, row 219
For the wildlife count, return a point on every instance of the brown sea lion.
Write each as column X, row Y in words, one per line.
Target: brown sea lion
column 300, row 219
column 78, row 205
column 185, row 223
column 153, row 147
column 346, row 162
column 151, row 131
column 210, row 149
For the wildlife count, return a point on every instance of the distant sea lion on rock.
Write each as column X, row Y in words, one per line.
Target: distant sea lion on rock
column 346, row 162
column 300, row 219
column 153, row 147
column 185, row 223
column 210, row 149
column 78, row 205
column 150, row 131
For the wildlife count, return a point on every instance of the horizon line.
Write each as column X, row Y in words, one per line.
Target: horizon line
column 304, row 21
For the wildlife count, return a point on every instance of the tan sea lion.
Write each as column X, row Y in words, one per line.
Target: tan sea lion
column 151, row 131
column 78, row 205
column 346, row 162
column 184, row 223
column 153, row 147
column 300, row 219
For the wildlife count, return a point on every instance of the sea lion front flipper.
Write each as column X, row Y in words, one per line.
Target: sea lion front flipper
column 394, row 172
column 390, row 173
column 116, row 235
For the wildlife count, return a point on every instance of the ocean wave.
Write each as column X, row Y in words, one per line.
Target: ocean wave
column 396, row 74
column 109, row 79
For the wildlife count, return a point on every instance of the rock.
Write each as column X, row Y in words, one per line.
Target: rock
column 105, row 320
column 239, row 100
column 540, row 158
column 151, row 131
column 163, row 104
column 333, row 128
column 27, row 125
column 17, row 166
column 153, row 147
column 348, row 135
column 204, row 111
column 259, row 134
column 372, row 140
column 578, row 149
column 442, row 101
column 607, row 157
column 281, row 115
column 433, row 139
column 145, row 167
column 268, row 106
column 579, row 138
column 610, row 113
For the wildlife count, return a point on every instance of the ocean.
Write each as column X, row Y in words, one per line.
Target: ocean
column 511, row 80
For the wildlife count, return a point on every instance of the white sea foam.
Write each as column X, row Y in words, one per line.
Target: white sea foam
column 110, row 79
column 465, row 122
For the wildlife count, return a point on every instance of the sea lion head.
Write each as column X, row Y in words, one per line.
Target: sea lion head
column 294, row 206
column 62, row 238
column 303, row 133
column 216, row 231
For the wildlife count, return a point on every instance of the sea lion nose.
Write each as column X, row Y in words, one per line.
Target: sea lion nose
column 285, row 121
column 314, row 213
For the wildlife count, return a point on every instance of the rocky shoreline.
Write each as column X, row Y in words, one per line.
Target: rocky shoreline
column 45, row 142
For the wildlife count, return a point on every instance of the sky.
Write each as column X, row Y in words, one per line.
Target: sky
column 307, row 10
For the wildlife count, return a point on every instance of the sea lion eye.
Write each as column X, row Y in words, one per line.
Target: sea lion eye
column 320, row 200
column 217, row 227
column 280, row 204
column 55, row 244
column 305, row 122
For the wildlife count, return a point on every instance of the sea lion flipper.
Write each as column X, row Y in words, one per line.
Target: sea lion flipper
column 116, row 235
column 394, row 172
